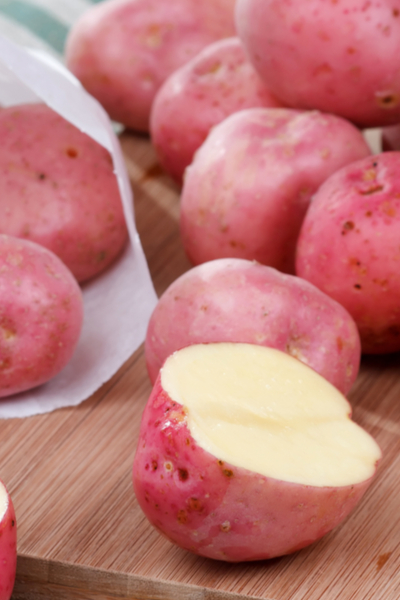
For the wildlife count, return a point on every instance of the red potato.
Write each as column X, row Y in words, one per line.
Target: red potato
column 349, row 247
column 249, row 186
column 234, row 300
column 338, row 57
column 8, row 544
column 41, row 313
column 217, row 82
column 123, row 50
column 57, row 188
column 246, row 454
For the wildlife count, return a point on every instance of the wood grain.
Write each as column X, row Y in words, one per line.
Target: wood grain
column 81, row 532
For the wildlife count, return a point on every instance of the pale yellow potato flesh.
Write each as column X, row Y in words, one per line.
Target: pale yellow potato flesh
column 3, row 501
column 263, row 410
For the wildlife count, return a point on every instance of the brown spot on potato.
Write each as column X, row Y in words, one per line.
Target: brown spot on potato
column 168, row 466
column 154, row 465
column 372, row 190
column 9, row 334
column 368, row 213
column 389, row 209
column 182, row 516
column 381, row 282
column 71, row 152
column 183, row 474
column 357, row 286
column 347, row 226
column 195, row 504
column 354, row 262
column 41, row 176
column 227, row 472
column 387, row 100
column 235, row 244
column 339, row 344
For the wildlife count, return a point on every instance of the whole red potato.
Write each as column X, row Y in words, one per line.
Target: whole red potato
column 58, row 189
column 250, row 183
column 349, row 247
column 235, row 300
column 123, row 50
column 335, row 56
column 41, row 314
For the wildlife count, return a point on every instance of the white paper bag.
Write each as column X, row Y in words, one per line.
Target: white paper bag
column 119, row 302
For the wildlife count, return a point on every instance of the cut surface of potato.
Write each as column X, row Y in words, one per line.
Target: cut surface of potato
column 263, row 410
column 3, row 501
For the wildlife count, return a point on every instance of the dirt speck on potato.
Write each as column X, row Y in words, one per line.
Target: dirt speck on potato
column 347, row 226
column 182, row 516
column 195, row 504
column 387, row 100
column 183, row 474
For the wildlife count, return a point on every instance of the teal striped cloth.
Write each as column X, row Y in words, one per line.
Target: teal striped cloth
column 41, row 23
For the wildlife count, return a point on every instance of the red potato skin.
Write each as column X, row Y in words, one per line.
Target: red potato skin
column 8, row 551
column 218, row 510
column 234, row 300
column 349, row 247
column 250, row 183
column 337, row 57
column 58, row 189
column 123, row 50
column 217, row 82
column 41, row 314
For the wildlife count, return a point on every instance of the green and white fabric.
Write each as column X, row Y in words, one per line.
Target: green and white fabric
column 41, row 23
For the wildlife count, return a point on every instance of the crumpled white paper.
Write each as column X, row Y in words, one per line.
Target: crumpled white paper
column 118, row 303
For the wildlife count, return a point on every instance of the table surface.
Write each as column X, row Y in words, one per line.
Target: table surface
column 81, row 532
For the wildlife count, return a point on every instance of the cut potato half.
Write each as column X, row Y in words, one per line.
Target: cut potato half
column 245, row 453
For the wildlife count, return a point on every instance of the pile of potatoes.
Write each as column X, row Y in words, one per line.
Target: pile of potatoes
column 252, row 106
column 256, row 109
column 61, row 224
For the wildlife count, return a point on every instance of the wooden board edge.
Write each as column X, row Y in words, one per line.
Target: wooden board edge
column 40, row 579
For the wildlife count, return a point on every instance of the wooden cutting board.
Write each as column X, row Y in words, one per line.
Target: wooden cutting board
column 81, row 532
